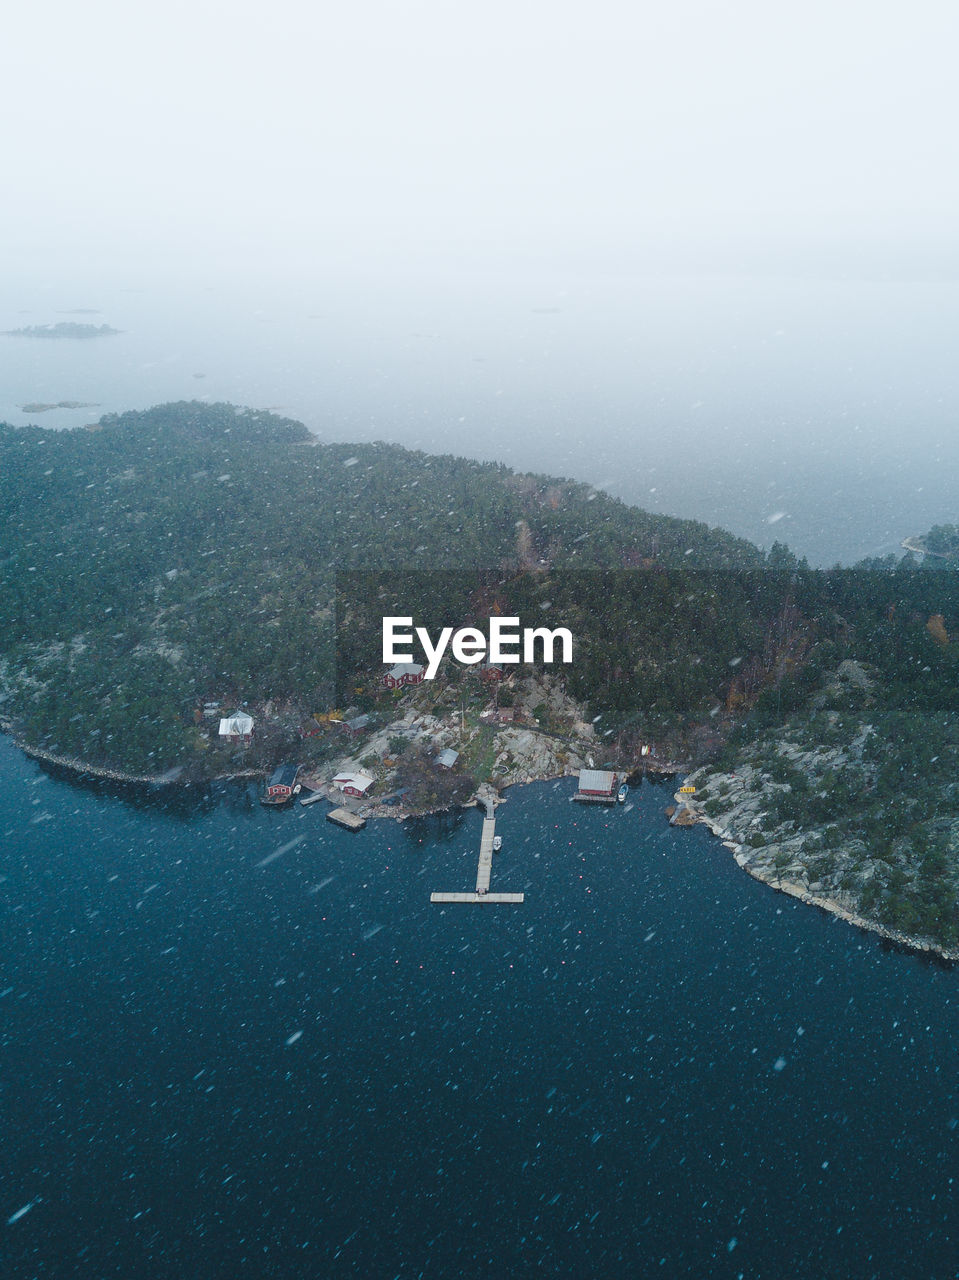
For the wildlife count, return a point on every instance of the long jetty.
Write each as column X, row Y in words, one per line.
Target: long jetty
column 484, row 870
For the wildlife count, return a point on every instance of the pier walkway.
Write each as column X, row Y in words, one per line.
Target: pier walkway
column 484, row 870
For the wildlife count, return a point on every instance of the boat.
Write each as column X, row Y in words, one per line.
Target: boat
column 497, row 843
column 622, row 793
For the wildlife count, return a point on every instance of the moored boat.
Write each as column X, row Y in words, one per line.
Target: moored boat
column 622, row 793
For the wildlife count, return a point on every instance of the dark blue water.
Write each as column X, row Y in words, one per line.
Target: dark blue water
column 655, row 1067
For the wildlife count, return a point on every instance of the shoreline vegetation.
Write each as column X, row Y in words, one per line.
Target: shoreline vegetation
column 688, row 814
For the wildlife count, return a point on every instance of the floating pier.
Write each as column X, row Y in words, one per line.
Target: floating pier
column 343, row 818
column 483, row 871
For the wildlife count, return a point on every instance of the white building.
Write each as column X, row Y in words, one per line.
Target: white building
column 237, row 728
column 353, row 784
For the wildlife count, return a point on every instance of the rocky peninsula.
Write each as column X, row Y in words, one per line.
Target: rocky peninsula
column 811, row 817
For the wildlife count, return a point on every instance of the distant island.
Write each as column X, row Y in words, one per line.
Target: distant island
column 39, row 407
column 190, row 560
column 941, row 541
column 63, row 329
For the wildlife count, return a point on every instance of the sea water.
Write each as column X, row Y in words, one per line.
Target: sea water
column 240, row 1042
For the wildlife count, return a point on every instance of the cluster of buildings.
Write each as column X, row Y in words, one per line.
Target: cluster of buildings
column 237, row 729
column 596, row 785
column 405, row 673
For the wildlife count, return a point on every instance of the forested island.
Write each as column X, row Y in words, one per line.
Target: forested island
column 39, row 406
column 174, row 565
column 63, row 329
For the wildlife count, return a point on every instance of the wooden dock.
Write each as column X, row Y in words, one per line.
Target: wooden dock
column 485, row 868
column 343, row 818
column 477, row 897
column 483, row 871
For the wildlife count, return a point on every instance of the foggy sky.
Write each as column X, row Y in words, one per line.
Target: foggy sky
column 703, row 254
column 309, row 137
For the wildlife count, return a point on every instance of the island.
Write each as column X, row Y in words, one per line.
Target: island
column 197, row 566
column 63, row 329
column 40, row 407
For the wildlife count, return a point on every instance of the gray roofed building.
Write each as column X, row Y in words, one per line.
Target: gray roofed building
column 599, row 782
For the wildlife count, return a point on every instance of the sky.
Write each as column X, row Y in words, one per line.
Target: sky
column 312, row 137
column 704, row 255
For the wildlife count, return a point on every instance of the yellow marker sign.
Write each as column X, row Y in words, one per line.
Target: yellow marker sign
column 687, row 789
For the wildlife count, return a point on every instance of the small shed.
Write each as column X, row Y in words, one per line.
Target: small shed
column 446, row 759
column 237, row 728
column 356, row 725
column 353, row 784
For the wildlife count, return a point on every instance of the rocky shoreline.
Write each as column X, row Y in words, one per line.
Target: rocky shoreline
column 111, row 774
column 96, row 771
column 916, row 546
column 688, row 813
